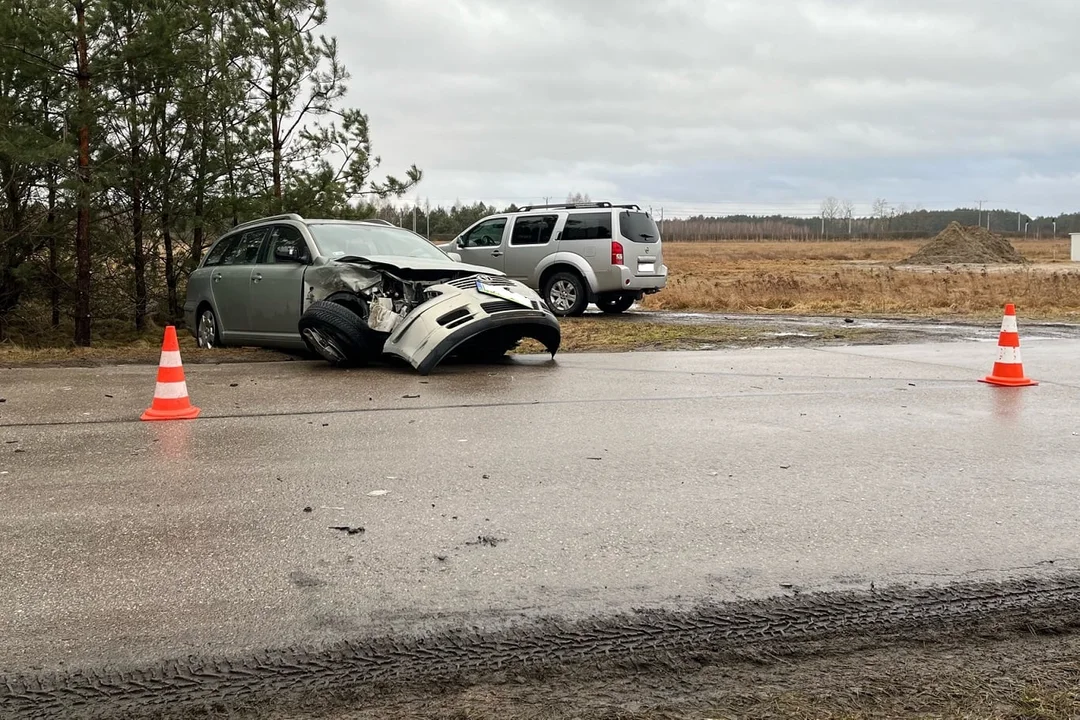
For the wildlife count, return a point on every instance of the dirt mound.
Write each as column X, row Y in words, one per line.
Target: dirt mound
column 959, row 245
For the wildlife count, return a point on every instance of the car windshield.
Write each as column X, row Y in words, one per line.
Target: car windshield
column 340, row 240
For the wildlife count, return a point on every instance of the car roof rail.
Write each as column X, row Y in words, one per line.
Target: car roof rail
column 565, row 206
column 377, row 221
column 271, row 218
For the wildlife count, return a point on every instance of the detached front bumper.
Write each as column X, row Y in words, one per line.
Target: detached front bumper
column 439, row 327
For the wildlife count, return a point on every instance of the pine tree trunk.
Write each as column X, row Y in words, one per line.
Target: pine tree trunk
column 166, row 213
column 50, row 224
column 199, row 236
column 141, row 300
column 170, row 263
column 230, row 171
column 82, row 223
column 10, row 287
column 54, row 260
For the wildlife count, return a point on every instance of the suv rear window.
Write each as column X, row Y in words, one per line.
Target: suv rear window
column 588, row 226
column 638, row 227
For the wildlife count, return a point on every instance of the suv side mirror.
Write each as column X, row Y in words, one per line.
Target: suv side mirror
column 454, row 256
column 287, row 253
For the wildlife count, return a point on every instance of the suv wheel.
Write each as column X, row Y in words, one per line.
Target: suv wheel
column 565, row 294
column 336, row 334
column 614, row 304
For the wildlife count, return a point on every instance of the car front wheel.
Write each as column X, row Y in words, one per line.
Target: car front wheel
column 336, row 334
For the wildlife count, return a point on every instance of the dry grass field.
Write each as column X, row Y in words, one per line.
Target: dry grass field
column 863, row 278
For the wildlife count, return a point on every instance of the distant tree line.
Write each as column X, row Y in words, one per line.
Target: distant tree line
column 838, row 221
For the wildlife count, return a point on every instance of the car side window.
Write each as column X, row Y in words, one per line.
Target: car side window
column 246, row 251
column 286, row 237
column 486, row 234
column 533, row 230
column 587, row 226
column 219, row 250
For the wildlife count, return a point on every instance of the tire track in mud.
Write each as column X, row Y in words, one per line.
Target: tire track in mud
column 456, row 654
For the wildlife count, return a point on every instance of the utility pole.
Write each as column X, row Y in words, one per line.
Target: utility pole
column 427, row 214
column 414, row 207
column 980, row 211
column 1017, row 222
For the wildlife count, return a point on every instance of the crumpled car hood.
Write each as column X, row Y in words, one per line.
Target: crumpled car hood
column 421, row 264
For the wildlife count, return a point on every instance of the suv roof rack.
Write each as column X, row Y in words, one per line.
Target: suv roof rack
column 270, row 218
column 377, row 221
column 575, row 206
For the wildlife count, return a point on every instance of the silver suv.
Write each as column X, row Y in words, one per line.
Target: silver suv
column 572, row 254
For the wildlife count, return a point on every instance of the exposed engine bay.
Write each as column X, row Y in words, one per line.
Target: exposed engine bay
column 388, row 293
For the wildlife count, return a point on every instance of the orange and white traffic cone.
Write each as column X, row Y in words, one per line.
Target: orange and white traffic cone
column 1009, row 370
column 171, row 400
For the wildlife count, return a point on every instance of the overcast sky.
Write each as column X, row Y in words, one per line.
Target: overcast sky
column 724, row 105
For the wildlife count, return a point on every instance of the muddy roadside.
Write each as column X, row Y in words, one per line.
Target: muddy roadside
column 990, row 649
column 990, row 675
column 639, row 329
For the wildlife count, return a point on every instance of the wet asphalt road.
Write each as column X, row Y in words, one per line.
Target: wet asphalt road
column 597, row 482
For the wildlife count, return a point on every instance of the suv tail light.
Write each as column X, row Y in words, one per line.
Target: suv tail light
column 616, row 253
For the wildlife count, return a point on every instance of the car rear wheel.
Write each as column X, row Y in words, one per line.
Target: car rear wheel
column 207, row 334
column 614, row 304
column 336, row 334
column 565, row 294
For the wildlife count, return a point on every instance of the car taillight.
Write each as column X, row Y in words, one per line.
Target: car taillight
column 616, row 253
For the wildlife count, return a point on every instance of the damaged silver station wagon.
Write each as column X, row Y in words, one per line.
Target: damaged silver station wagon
column 351, row 291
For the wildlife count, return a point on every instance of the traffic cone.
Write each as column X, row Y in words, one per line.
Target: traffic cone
column 171, row 400
column 1009, row 370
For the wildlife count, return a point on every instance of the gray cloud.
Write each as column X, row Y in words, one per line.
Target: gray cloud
column 501, row 99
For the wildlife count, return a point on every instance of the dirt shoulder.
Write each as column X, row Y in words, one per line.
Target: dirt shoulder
column 1004, row 649
column 1008, row 677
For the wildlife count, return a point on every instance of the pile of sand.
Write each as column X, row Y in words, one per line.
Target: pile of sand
column 966, row 245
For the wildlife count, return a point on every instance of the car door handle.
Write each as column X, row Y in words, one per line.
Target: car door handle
column 497, row 253
column 217, row 277
column 256, row 277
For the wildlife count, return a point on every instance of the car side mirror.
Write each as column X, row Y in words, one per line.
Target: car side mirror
column 454, row 256
column 287, row 253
